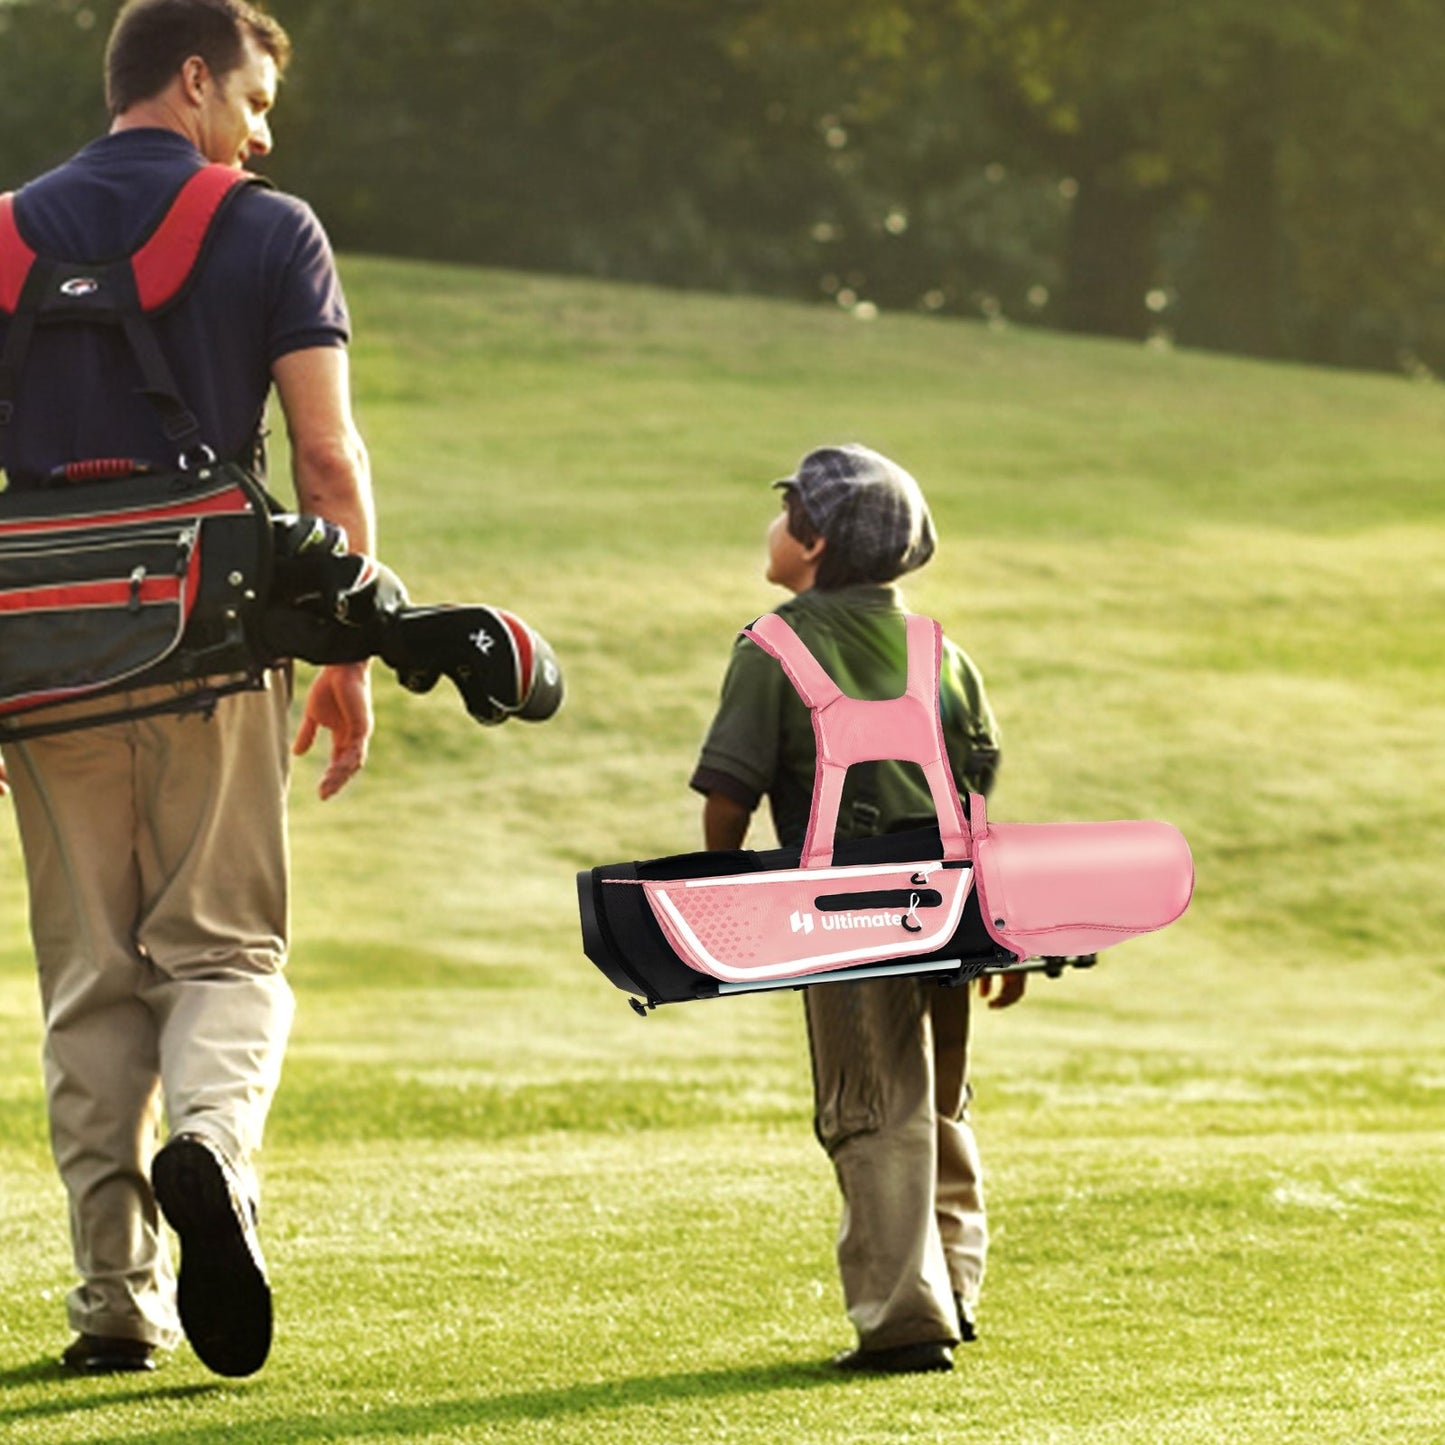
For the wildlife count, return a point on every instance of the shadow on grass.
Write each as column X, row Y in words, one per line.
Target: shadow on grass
column 424, row 1419
column 73, row 1394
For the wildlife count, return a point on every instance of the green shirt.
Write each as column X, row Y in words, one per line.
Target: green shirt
column 761, row 741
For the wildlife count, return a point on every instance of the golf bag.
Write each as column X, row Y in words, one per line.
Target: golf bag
column 953, row 901
column 116, row 575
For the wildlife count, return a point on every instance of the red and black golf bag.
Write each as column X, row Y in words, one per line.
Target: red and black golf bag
column 116, row 575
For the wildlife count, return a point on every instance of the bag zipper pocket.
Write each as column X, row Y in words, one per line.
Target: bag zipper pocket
column 156, row 549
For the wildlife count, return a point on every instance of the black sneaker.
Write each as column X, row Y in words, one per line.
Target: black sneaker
column 919, row 1359
column 108, row 1355
column 222, row 1294
column 968, row 1331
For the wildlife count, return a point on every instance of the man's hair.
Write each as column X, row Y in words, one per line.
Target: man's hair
column 152, row 39
column 835, row 568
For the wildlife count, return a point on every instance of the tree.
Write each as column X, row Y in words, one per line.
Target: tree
column 1275, row 139
column 51, row 98
column 1260, row 178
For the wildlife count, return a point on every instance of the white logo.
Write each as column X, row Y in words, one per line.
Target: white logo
column 862, row 920
column 802, row 922
column 80, row 286
column 484, row 642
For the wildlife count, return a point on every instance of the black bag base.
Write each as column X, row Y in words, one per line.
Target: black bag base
column 623, row 940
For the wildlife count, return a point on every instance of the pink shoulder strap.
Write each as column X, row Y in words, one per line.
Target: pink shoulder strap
column 852, row 730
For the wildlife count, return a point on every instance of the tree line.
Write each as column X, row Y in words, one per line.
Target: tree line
column 1260, row 179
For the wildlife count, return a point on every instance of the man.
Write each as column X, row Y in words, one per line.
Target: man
column 155, row 849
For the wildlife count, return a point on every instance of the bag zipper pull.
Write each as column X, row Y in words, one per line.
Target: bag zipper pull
column 910, row 919
column 136, row 578
column 185, row 545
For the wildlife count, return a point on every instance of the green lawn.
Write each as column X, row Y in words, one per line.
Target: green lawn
column 499, row 1207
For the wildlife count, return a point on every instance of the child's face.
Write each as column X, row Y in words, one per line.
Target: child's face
column 790, row 563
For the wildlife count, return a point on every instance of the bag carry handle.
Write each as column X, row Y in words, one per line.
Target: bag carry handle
column 849, row 730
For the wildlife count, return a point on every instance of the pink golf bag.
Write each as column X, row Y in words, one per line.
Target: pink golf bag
column 964, row 898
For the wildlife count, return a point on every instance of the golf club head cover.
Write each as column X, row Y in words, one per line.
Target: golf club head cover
column 500, row 666
column 328, row 604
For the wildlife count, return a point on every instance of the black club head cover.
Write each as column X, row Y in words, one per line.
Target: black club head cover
column 501, row 667
column 329, row 607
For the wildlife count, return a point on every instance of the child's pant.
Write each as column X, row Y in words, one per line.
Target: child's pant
column 890, row 1076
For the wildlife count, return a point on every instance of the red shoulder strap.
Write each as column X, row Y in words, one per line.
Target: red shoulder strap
column 164, row 264
column 16, row 258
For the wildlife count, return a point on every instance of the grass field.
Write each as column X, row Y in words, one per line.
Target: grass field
column 499, row 1207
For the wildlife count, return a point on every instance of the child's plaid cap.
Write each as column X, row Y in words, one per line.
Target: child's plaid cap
column 867, row 508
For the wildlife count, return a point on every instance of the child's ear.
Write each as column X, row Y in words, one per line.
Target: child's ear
column 814, row 549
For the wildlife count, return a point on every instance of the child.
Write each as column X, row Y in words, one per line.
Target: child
column 889, row 1055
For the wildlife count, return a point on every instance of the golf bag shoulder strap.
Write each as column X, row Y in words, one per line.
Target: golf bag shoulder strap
column 851, row 730
column 163, row 265
column 16, row 258
column 17, row 263
column 38, row 290
column 803, row 670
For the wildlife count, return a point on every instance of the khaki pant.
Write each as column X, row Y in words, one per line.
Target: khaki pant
column 156, row 857
column 890, row 1071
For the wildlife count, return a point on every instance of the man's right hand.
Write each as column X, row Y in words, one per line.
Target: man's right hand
column 338, row 700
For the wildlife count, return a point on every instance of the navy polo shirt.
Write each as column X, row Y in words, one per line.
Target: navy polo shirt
column 266, row 286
